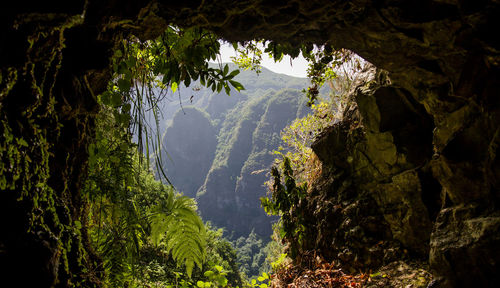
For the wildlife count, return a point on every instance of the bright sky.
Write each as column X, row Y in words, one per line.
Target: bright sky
column 297, row 68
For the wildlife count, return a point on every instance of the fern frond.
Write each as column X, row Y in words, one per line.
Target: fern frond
column 178, row 225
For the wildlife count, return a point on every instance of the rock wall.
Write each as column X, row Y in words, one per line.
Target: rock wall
column 47, row 112
column 189, row 147
column 385, row 199
column 443, row 60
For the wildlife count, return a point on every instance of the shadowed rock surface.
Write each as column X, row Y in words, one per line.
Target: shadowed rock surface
column 443, row 61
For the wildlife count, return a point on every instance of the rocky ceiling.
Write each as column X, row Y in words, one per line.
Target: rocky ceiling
column 444, row 54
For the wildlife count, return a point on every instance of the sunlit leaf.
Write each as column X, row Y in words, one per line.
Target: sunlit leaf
column 234, row 73
column 237, row 85
column 174, row 86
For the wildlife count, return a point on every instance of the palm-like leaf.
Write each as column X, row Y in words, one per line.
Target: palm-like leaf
column 178, row 225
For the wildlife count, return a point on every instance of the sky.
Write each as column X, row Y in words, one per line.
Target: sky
column 297, row 69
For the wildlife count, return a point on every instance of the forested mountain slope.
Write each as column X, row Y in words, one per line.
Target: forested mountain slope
column 215, row 146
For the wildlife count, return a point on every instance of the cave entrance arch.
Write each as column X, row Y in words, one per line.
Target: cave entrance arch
column 441, row 52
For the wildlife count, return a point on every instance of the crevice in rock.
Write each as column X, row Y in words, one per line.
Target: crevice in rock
column 469, row 145
column 431, row 66
column 408, row 122
column 431, row 193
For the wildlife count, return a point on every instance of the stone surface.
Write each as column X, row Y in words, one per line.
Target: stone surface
column 401, row 274
column 401, row 204
column 384, row 154
column 464, row 247
column 443, row 55
column 380, row 212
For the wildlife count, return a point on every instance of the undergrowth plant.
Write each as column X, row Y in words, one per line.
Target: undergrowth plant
column 298, row 137
column 177, row 57
column 286, row 198
column 129, row 210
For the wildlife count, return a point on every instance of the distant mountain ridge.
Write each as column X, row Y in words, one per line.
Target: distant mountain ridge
column 217, row 143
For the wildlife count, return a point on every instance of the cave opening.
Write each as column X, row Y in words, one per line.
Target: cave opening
column 55, row 60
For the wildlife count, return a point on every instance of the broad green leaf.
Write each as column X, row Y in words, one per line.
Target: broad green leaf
column 234, row 73
column 131, row 61
column 237, row 85
column 118, row 53
column 106, row 98
column 122, row 68
column 187, row 81
column 124, row 85
column 116, row 99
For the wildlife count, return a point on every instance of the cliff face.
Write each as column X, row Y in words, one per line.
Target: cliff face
column 388, row 194
column 215, row 147
column 188, row 148
column 230, row 194
column 443, row 60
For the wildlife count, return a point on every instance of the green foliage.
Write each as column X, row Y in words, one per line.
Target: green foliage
column 130, row 210
column 297, row 166
column 216, row 278
column 262, row 281
column 137, row 213
column 127, row 206
column 285, row 200
column 156, row 269
column 249, row 56
column 251, row 255
column 145, row 233
column 178, row 56
column 178, row 225
column 220, row 252
column 322, row 63
column 30, row 133
column 278, row 263
column 300, row 134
